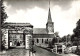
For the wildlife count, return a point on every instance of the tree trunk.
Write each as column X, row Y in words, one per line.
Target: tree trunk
column 0, row 27
column 0, row 40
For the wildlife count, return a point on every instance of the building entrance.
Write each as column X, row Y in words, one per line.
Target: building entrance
column 17, row 40
column 18, row 35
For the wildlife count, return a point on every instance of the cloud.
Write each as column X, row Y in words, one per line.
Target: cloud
column 65, row 20
column 24, row 4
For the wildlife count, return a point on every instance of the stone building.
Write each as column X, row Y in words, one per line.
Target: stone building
column 43, row 36
column 18, row 35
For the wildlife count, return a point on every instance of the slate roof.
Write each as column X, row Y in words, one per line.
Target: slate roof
column 39, row 31
column 43, row 35
column 17, row 24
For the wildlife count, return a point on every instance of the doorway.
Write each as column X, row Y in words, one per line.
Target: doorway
column 16, row 40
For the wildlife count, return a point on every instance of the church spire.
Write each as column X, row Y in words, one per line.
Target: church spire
column 50, row 24
column 49, row 14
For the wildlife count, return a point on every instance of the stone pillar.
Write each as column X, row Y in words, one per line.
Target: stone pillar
column 56, row 48
column 63, row 47
column 5, row 36
column 28, row 43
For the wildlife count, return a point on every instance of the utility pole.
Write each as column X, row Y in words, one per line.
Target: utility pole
column 58, row 39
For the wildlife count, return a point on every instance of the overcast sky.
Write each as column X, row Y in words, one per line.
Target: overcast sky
column 64, row 13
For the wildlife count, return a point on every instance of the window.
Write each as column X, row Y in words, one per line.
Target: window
column 42, row 40
column 47, row 40
column 37, row 41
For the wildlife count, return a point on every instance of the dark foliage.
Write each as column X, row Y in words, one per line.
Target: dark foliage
column 3, row 13
column 50, row 45
column 3, row 18
column 64, row 38
column 54, row 40
column 76, row 36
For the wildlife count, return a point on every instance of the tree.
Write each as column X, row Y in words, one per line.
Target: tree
column 50, row 44
column 76, row 36
column 54, row 40
column 64, row 39
column 57, row 36
column 3, row 13
column 74, row 40
column 3, row 18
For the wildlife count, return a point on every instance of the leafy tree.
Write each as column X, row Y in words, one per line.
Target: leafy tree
column 76, row 36
column 3, row 18
column 57, row 36
column 60, row 39
column 64, row 38
column 50, row 44
column 74, row 40
column 3, row 13
column 54, row 40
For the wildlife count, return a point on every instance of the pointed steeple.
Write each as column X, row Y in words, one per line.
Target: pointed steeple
column 50, row 24
column 49, row 16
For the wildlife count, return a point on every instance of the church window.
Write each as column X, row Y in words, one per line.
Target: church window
column 42, row 40
column 47, row 40
column 37, row 40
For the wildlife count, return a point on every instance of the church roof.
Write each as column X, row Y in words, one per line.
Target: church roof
column 43, row 35
column 17, row 24
column 39, row 31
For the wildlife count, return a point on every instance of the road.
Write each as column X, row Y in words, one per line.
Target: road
column 15, row 52
column 24, row 52
column 43, row 52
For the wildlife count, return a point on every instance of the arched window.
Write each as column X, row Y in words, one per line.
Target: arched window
column 47, row 40
column 42, row 40
column 37, row 40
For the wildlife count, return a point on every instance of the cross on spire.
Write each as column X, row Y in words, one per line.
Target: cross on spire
column 49, row 3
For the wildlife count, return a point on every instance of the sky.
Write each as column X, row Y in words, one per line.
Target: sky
column 64, row 13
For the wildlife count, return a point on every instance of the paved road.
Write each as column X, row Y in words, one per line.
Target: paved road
column 15, row 52
column 24, row 52
column 43, row 52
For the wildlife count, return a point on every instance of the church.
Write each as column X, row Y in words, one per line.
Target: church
column 43, row 36
column 20, row 35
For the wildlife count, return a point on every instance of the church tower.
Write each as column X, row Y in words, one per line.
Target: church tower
column 49, row 25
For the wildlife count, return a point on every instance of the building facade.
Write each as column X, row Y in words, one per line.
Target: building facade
column 18, row 35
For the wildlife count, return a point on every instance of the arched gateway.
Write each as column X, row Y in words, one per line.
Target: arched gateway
column 18, row 35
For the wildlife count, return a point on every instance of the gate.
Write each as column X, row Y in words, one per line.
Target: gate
column 16, row 40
